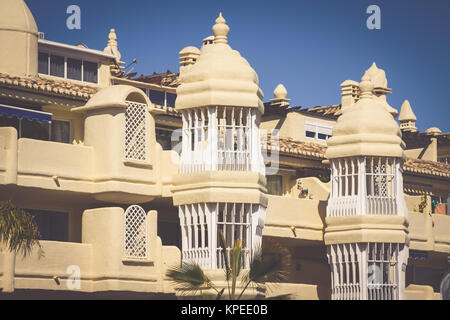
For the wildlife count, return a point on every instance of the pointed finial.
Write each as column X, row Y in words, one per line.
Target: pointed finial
column 221, row 30
column 280, row 92
column 112, row 38
column 112, row 46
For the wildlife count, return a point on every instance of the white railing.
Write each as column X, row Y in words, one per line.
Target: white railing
column 365, row 185
column 221, row 138
column 361, row 271
column 200, row 226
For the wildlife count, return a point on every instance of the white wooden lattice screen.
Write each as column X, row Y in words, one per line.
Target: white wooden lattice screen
column 136, row 131
column 365, row 271
column 135, row 238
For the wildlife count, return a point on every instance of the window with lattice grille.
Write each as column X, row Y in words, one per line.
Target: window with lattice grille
column 135, row 246
column 136, row 131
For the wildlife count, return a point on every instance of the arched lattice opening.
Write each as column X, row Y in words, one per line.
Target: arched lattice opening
column 135, row 239
column 136, row 123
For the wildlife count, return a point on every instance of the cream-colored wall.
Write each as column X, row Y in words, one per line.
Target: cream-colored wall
column 419, row 292
column 294, row 218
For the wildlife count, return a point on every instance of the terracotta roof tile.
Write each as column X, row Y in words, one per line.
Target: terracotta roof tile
column 314, row 150
column 58, row 87
column 334, row 110
column 427, row 167
column 167, row 79
column 289, row 146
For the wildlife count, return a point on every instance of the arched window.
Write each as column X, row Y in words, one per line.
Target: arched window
column 135, row 240
column 136, row 131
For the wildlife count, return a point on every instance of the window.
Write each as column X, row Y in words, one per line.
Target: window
column 37, row 125
column 90, row 72
column 74, row 69
column 171, row 99
column 318, row 130
column 136, row 131
column 43, row 63
column 60, row 131
column 275, row 185
column 163, row 137
column 53, row 226
column 69, row 68
column 135, row 246
column 157, row 97
column 57, row 66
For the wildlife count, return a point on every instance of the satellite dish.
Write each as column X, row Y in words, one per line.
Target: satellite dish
column 445, row 287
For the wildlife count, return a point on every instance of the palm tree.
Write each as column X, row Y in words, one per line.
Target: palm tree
column 18, row 234
column 264, row 267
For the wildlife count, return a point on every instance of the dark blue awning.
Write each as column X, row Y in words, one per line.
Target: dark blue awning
column 21, row 113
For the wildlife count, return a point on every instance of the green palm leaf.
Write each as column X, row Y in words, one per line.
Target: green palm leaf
column 188, row 276
column 18, row 229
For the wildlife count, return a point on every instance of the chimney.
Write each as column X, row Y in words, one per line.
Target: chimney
column 188, row 57
column 350, row 93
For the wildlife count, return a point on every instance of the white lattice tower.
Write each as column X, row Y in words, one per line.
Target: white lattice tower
column 220, row 103
column 366, row 189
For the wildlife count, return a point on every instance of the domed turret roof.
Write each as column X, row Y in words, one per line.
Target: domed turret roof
column 365, row 129
column 190, row 49
column 433, row 130
column 16, row 16
column 220, row 77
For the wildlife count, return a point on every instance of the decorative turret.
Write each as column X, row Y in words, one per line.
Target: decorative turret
column 220, row 77
column 407, row 117
column 221, row 173
column 366, row 214
column 280, row 94
column 18, row 39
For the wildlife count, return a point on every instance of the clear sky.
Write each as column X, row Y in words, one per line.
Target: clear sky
column 311, row 46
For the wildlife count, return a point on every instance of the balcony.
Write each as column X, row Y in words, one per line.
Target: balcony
column 97, row 266
column 66, row 168
column 293, row 218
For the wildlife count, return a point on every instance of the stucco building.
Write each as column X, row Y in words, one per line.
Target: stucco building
column 128, row 175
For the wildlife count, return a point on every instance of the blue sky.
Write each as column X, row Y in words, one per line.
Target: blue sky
column 311, row 46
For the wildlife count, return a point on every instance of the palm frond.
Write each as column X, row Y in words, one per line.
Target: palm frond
column 236, row 264
column 188, row 276
column 18, row 229
column 226, row 260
